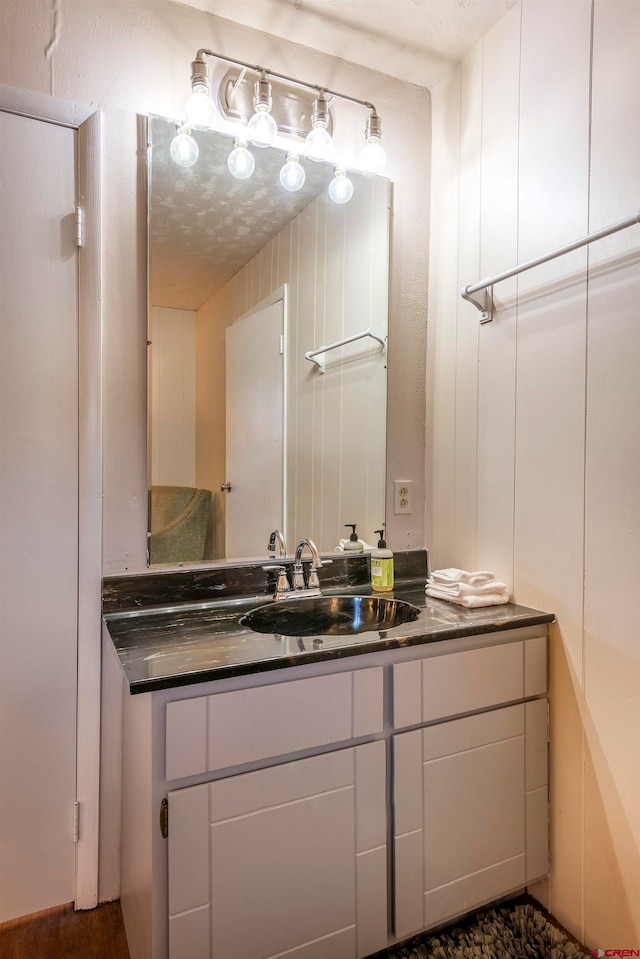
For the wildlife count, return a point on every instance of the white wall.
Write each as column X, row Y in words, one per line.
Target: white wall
column 334, row 260
column 533, row 447
column 172, row 413
column 133, row 57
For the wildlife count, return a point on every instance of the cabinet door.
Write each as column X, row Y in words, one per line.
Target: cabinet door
column 459, row 828
column 290, row 859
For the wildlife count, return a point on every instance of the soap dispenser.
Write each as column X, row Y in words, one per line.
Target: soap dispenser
column 381, row 566
column 353, row 544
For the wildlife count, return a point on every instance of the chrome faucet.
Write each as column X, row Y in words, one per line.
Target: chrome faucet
column 277, row 537
column 312, row 586
column 297, row 588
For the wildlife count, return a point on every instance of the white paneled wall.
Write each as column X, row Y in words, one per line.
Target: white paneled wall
column 497, row 341
column 612, row 509
column 534, row 437
column 335, row 261
column 550, row 391
column 466, row 355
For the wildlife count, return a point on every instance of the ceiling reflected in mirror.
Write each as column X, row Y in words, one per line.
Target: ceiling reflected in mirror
column 204, row 224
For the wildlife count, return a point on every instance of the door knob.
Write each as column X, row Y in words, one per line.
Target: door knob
column 225, row 488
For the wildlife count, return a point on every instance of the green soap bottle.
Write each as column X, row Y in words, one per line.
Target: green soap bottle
column 353, row 544
column 381, row 566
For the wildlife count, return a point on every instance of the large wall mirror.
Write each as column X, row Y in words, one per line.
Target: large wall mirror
column 246, row 434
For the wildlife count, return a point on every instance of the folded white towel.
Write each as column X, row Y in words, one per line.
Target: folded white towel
column 453, row 575
column 464, row 589
column 470, row 602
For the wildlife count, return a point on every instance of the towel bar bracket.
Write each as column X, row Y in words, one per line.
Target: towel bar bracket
column 484, row 305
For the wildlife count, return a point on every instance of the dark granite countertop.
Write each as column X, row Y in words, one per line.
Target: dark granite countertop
column 161, row 647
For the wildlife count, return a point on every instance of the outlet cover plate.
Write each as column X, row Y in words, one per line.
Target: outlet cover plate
column 402, row 496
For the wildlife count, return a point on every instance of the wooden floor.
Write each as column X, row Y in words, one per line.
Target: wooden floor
column 61, row 933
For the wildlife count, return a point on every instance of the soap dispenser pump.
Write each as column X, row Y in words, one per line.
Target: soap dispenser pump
column 381, row 566
column 353, row 544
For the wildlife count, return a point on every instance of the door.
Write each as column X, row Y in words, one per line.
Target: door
column 38, row 514
column 255, row 365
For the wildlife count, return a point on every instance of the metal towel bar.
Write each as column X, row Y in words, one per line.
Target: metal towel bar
column 334, row 346
column 485, row 305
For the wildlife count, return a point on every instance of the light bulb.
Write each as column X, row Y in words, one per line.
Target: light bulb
column 241, row 162
column 292, row 175
column 318, row 143
column 373, row 158
column 262, row 128
column 184, row 149
column 341, row 187
column 199, row 109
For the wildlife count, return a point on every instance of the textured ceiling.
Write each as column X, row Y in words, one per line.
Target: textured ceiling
column 414, row 40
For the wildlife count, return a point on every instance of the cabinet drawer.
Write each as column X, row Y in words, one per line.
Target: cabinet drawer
column 247, row 725
column 456, row 683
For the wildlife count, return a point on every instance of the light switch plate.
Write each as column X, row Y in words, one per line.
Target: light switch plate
column 402, row 496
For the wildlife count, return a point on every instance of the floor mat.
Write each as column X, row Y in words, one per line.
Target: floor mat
column 506, row 932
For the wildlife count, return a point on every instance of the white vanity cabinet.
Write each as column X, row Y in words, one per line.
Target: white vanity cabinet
column 276, row 790
column 470, row 782
column 281, row 839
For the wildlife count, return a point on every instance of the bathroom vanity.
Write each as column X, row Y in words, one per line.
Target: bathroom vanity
column 325, row 796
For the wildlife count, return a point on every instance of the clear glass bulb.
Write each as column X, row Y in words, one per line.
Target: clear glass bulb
column 262, row 128
column 373, row 158
column 318, row 143
column 341, row 187
column 241, row 162
column 292, row 175
column 199, row 109
column 184, row 149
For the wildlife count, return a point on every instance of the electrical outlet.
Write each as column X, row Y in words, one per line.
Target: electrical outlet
column 402, row 496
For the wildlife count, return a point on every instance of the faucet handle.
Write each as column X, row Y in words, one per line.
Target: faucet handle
column 282, row 585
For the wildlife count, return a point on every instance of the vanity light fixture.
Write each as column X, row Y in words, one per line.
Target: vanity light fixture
column 184, row 149
column 262, row 128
